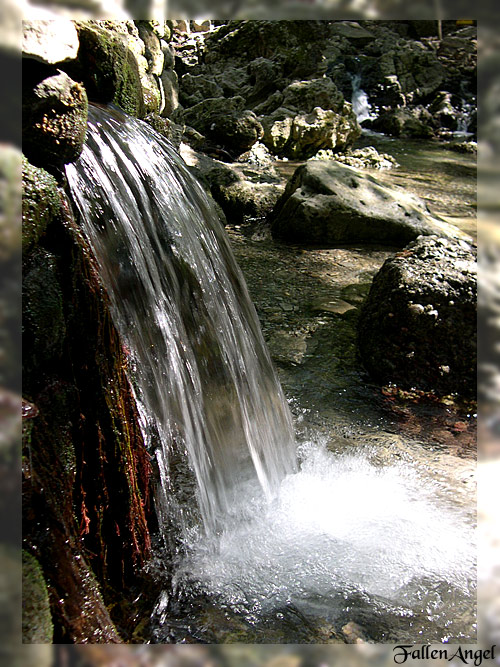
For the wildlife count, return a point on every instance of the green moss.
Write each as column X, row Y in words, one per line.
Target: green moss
column 109, row 69
column 40, row 203
column 37, row 620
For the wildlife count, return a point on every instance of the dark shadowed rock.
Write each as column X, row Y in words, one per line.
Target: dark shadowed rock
column 418, row 325
column 326, row 202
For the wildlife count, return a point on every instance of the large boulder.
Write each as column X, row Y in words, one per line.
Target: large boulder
column 301, row 135
column 417, row 328
column 54, row 121
column 330, row 203
column 41, row 204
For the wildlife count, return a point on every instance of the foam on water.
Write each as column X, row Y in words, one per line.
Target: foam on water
column 340, row 524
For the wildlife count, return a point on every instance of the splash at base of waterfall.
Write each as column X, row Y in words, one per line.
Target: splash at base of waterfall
column 345, row 540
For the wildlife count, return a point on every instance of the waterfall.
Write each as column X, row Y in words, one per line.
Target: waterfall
column 211, row 407
column 359, row 100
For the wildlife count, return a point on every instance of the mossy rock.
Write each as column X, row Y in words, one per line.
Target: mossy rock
column 54, row 121
column 40, row 203
column 108, row 69
column 37, row 620
column 44, row 327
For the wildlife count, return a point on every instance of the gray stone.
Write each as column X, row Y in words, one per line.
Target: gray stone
column 170, row 87
column 417, row 328
column 327, row 202
column 50, row 42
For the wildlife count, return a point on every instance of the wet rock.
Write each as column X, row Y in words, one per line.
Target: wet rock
column 286, row 347
column 50, row 42
column 418, row 325
column 299, row 136
column 54, row 121
column 327, row 202
column 37, row 620
column 40, row 203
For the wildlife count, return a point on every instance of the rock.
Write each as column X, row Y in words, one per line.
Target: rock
column 443, row 111
column 108, row 68
column 166, row 128
column 44, row 327
column 40, row 203
column 287, row 348
column 307, row 95
column 153, row 51
column 241, row 190
column 353, row 32
column 37, row 620
column 196, row 88
column 226, row 122
column 201, row 26
column 361, row 158
column 469, row 147
column 170, row 88
column 416, row 123
column 54, row 121
column 299, row 136
column 50, row 42
column 417, row 327
column 327, row 202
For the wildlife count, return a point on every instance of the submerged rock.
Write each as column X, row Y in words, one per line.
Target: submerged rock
column 327, row 202
column 417, row 328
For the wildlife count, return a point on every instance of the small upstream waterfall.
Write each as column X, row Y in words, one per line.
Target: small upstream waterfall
column 359, row 100
column 209, row 397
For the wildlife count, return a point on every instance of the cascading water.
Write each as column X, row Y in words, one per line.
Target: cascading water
column 276, row 556
column 199, row 365
column 359, row 100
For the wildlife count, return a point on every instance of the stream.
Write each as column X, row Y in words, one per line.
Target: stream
column 374, row 537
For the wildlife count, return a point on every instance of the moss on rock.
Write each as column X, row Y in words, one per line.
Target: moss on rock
column 37, row 620
column 40, row 203
column 54, row 121
column 109, row 69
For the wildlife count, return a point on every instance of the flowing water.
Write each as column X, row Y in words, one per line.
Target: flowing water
column 359, row 100
column 209, row 397
column 361, row 533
